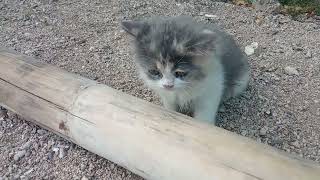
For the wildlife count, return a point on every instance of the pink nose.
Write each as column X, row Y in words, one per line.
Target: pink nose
column 168, row 86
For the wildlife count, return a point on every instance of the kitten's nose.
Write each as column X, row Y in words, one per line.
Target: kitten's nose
column 168, row 86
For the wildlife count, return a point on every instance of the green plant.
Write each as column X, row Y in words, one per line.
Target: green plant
column 295, row 7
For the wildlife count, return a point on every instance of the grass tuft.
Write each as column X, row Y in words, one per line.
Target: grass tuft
column 296, row 7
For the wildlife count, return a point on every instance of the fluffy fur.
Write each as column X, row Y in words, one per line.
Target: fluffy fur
column 192, row 66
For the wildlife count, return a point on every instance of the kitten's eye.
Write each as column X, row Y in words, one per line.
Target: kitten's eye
column 180, row 74
column 155, row 72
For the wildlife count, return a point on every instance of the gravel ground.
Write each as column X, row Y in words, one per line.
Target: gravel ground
column 281, row 106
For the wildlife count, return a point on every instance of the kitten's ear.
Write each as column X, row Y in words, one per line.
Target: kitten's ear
column 204, row 44
column 132, row 27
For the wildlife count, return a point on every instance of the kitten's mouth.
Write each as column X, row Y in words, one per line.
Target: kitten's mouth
column 168, row 88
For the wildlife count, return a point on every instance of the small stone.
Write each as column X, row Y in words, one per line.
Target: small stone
column 11, row 154
column 19, row 155
column 61, row 41
column 297, row 48
column 291, row 71
column 61, row 153
column 10, row 169
column 244, row 132
column 28, row 154
column 26, row 145
column 276, row 78
column 36, row 146
column 250, row 49
column 28, row 172
column 263, row 131
column 82, row 41
column 91, row 167
column 255, row 45
column 50, row 155
column 84, row 178
column 296, row 144
column 82, row 166
column 277, row 140
column 259, row 20
column 28, row 52
column 274, row 31
column 112, row 166
column 3, row 114
column 41, row 131
column 309, row 54
column 55, row 149
column 91, row 48
column 50, row 143
column 268, row 112
column 211, row 16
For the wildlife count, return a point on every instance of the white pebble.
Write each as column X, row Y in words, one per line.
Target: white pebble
column 26, row 145
column 28, row 172
column 211, row 16
column 19, row 155
column 55, row 149
column 84, row 178
column 263, row 131
column 295, row 144
column 254, row 45
column 291, row 71
column 61, row 153
column 41, row 131
column 309, row 54
column 250, row 49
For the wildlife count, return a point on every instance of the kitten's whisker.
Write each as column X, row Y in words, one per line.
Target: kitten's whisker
column 180, row 59
column 196, row 44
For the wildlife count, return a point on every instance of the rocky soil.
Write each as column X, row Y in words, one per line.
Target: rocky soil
column 281, row 106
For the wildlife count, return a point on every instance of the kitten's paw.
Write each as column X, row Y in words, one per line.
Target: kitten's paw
column 169, row 106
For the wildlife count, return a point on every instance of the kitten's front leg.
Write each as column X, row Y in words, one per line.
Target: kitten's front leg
column 207, row 108
column 169, row 103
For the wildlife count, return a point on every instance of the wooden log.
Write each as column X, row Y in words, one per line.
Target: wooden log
column 144, row 138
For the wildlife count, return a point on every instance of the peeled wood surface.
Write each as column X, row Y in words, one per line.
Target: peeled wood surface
column 140, row 136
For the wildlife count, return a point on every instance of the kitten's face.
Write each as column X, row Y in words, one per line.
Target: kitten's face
column 171, row 55
column 171, row 72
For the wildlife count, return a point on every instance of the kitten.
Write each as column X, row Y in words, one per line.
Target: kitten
column 192, row 66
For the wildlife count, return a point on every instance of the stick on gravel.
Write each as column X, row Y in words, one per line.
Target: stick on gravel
column 148, row 140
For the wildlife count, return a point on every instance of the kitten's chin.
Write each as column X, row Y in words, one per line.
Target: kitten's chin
column 168, row 90
column 162, row 89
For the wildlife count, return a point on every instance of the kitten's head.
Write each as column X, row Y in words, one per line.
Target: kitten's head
column 172, row 53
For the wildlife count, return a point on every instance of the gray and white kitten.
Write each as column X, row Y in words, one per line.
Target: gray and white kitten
column 192, row 66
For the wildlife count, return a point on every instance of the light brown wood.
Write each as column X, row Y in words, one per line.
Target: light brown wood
column 142, row 137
